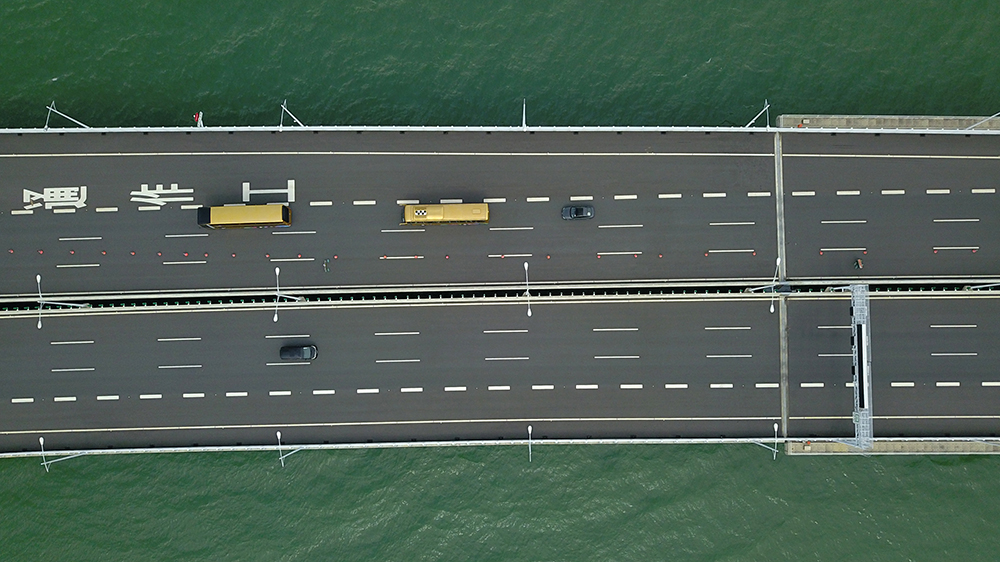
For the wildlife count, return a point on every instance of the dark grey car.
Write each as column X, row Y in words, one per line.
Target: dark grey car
column 298, row 352
column 574, row 212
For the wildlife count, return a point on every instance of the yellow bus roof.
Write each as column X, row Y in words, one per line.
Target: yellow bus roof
column 247, row 214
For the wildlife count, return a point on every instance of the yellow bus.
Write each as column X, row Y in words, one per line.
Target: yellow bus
column 244, row 216
column 454, row 213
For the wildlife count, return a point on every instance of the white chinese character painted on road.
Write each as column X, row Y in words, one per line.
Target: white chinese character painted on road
column 157, row 196
column 289, row 191
column 56, row 197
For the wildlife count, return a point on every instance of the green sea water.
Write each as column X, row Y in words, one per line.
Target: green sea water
column 141, row 63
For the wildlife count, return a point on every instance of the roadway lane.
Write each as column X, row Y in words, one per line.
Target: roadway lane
column 663, row 369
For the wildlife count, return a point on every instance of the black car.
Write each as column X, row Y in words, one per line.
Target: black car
column 573, row 212
column 298, row 352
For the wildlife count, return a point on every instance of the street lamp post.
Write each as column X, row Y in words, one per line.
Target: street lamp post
column 774, row 457
column 41, row 443
column 529, row 443
column 280, row 456
column 42, row 302
column 278, row 295
column 774, row 282
column 527, row 288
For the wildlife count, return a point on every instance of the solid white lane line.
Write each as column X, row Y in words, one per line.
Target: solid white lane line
column 185, row 262
column 178, row 339
column 630, row 386
column 843, row 193
column 178, row 366
column 956, row 220
column 501, row 256
column 498, row 387
column 454, row 389
column 581, row 197
column 991, row 383
column 495, row 200
column 367, row 391
column 708, row 195
column 73, row 210
column 79, row 342
column 150, row 396
column 401, row 257
column 803, row 193
column 506, row 358
column 412, row 389
column 149, row 208
column 543, row 387
column 106, row 209
column 398, row 230
column 747, row 251
column 279, row 393
column 236, row 394
column 669, row 196
column 73, row 370
column 625, row 197
column 721, row 385
column 843, row 249
column 397, row 333
column 954, row 325
column 321, row 203
column 512, row 228
column 616, row 329
column 16, row 212
column 193, row 395
column 812, row 385
column 64, row 399
column 955, row 248
column 286, row 363
column 505, row 331
column 287, row 232
column 107, row 397
column 616, row 357
column 619, row 226
column 833, row 327
column 955, row 354
column 324, row 392
column 985, row 190
column 899, row 384
column 849, row 384
column 834, row 355
column 729, row 356
column 284, row 336
column 586, row 387
column 676, row 385
column 397, row 361
column 451, row 201
column 189, row 207
column 947, row 383
column 744, row 223
column 199, row 235
column 845, row 222
column 21, row 400
column 893, row 192
column 766, row 385
column 80, row 238
column 758, row 194
column 79, row 265
column 619, row 253
column 290, row 259
column 727, row 327
column 407, row 202
column 368, row 202
column 938, row 191
column 537, row 199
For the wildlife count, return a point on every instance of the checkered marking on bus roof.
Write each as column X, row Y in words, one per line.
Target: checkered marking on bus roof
column 420, row 212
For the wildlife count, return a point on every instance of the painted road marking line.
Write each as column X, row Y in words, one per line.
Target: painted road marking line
column 581, row 197
column 451, row 201
column 279, row 393
column 412, row 389
column 506, row 358
column 616, row 329
column 107, row 397
column 985, row 190
column 367, row 202
column 289, row 232
column 178, row 339
column 901, row 384
column 833, row 327
column 812, row 385
column 586, row 387
column 286, row 363
column 730, row 356
column 397, row 333
column 397, row 361
column 843, row 249
column 936, row 248
column 669, row 196
column 991, row 383
column 401, row 257
column 893, row 192
column 766, row 385
column 537, row 199
column 189, row 207
column 619, row 253
column 454, row 389
column 324, row 392
column 955, row 354
column 843, row 193
column 844, row 222
column 630, row 386
column 954, row 325
column 498, row 387
column 149, row 208
column 394, row 230
column 80, row 238
column 938, row 191
column 79, row 265
column 321, row 203
column 236, row 395
column 72, row 210
column 947, row 383
column 728, row 327
column 501, row 256
column 676, row 385
column 747, row 251
column 178, row 366
column 64, row 399
column 290, row 259
column 78, row 342
column 616, row 357
column 710, row 194
column 721, row 385
column 834, row 355
column 542, row 387
column 199, row 235
column 849, row 384
column 749, row 223
column 16, row 212
column 619, row 226
column 407, row 202
column 505, row 331
column 495, row 200
column 626, row 197
column 73, row 370
column 193, row 395
column 285, row 336
column 150, row 396
column 367, row 391
column 21, row 400
column 512, row 228
column 803, row 193
column 758, row 194
column 956, row 220
column 193, row 262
